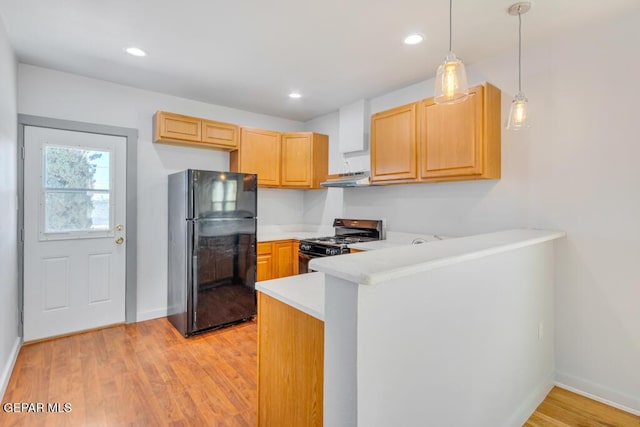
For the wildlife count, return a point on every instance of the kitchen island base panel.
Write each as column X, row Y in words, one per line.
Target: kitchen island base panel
column 290, row 365
column 444, row 339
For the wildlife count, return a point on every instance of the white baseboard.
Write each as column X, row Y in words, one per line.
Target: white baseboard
column 151, row 314
column 631, row 404
column 8, row 368
column 531, row 403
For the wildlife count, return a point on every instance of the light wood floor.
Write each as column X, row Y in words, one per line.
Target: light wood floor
column 147, row 374
column 143, row 374
column 562, row 408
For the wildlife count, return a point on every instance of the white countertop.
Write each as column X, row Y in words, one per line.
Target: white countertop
column 303, row 291
column 268, row 233
column 376, row 266
column 376, row 244
column 395, row 239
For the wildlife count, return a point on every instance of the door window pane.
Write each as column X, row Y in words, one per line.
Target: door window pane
column 76, row 190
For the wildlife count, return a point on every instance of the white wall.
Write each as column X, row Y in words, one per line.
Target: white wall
column 322, row 206
column 9, row 339
column 44, row 92
column 574, row 170
column 584, row 178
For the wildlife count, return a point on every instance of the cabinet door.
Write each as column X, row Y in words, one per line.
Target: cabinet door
column 297, row 166
column 260, row 154
column 220, row 135
column 394, row 144
column 283, row 258
column 176, row 127
column 264, row 262
column 451, row 137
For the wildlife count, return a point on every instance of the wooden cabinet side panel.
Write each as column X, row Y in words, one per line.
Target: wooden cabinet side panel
column 451, row 137
column 260, row 154
column 296, row 264
column 290, row 366
column 492, row 132
column 320, row 165
column 394, row 144
column 234, row 161
column 296, row 158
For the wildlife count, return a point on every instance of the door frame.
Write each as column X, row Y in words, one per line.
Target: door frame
column 131, row 141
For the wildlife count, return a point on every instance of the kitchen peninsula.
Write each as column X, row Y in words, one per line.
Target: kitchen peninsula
column 457, row 332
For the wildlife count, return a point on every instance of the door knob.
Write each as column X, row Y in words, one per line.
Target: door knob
column 120, row 240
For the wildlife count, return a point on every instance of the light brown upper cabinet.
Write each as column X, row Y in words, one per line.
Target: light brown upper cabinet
column 221, row 135
column 186, row 130
column 284, row 160
column 259, row 153
column 394, row 144
column 176, row 128
column 444, row 142
column 461, row 140
column 305, row 159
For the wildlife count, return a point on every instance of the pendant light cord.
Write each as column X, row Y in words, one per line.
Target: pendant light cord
column 450, row 22
column 519, row 51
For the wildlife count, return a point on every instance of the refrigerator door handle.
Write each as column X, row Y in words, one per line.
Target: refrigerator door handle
column 196, row 200
column 194, row 273
column 194, row 261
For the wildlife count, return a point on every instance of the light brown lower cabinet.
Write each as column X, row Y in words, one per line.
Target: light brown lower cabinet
column 277, row 258
column 290, row 366
column 264, row 262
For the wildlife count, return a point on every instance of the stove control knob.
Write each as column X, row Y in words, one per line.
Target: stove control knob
column 327, row 251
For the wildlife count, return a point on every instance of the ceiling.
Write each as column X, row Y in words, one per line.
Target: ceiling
column 249, row 54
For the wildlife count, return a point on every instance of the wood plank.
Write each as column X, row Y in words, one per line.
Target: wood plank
column 564, row 408
column 139, row 374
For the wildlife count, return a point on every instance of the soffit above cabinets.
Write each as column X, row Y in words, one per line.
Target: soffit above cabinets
column 355, row 120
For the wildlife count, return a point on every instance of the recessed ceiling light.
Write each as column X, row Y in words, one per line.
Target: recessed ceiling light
column 295, row 95
column 414, row 39
column 135, row 51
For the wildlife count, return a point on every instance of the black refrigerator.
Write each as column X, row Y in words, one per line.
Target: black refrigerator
column 212, row 249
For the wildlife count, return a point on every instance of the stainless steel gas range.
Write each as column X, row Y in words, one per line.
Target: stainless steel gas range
column 347, row 232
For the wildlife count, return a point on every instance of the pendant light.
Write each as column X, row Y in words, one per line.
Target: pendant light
column 518, row 112
column 451, row 79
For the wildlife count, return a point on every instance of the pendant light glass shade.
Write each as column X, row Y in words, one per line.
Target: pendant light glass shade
column 518, row 113
column 518, row 117
column 451, row 79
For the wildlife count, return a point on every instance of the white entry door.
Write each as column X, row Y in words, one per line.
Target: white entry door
column 74, row 231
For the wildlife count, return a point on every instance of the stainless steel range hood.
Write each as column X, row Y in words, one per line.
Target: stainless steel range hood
column 351, row 179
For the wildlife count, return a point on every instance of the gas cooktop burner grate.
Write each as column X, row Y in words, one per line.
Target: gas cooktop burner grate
column 340, row 240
